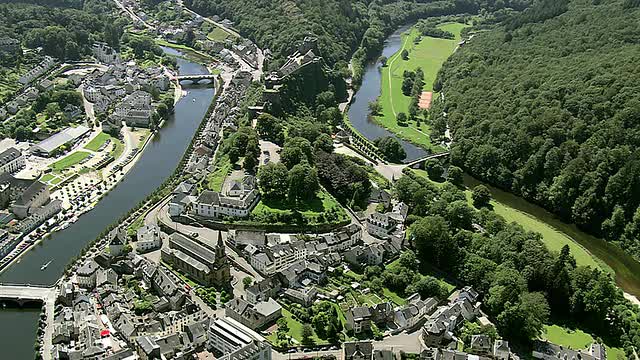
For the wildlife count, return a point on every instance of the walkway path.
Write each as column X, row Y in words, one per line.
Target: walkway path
column 389, row 66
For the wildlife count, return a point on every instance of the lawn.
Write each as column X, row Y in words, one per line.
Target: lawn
column 222, row 168
column 323, row 209
column 118, row 149
column 47, row 178
column 577, row 340
column 97, row 142
column 553, row 239
column 69, row 161
column 218, row 34
column 295, row 330
column 429, row 54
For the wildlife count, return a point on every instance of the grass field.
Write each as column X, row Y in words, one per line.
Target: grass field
column 217, row 34
column 429, row 54
column 69, row 161
column 311, row 210
column 215, row 179
column 577, row 340
column 117, row 151
column 47, row 178
column 553, row 239
column 295, row 330
column 97, row 142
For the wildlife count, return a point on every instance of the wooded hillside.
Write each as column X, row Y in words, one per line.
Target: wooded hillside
column 341, row 26
column 547, row 107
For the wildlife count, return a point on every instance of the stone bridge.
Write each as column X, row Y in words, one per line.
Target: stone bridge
column 23, row 294
column 196, row 78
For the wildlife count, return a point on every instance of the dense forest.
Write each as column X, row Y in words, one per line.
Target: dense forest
column 65, row 29
column 546, row 105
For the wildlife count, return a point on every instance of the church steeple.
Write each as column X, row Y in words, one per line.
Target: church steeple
column 220, row 252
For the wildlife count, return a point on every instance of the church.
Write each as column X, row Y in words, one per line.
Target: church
column 199, row 260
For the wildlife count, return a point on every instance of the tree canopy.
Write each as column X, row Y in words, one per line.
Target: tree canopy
column 545, row 105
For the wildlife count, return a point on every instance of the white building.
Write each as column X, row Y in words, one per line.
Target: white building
column 149, row 238
column 70, row 135
column 211, row 204
column 236, row 341
column 136, row 109
column 11, row 161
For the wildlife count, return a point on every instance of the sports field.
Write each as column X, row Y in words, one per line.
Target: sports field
column 429, row 54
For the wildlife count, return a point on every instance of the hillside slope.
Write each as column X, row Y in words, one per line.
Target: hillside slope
column 549, row 109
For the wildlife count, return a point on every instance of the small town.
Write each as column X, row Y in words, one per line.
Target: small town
column 319, row 180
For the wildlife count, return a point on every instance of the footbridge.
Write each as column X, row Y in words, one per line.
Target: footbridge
column 196, row 78
column 416, row 163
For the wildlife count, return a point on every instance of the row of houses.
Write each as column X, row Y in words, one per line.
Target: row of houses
column 273, row 253
column 42, row 68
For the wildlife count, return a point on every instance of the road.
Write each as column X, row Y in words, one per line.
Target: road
column 132, row 15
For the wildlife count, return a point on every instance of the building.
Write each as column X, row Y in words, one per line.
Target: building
column 135, row 109
column 358, row 319
column 203, row 262
column 236, row 341
column 362, row 255
column 263, row 290
column 254, row 316
column 11, row 161
column 414, row 313
column 105, row 53
column 40, row 69
column 247, row 237
column 36, row 195
column 86, row 274
column 357, row 350
column 276, row 258
column 179, row 204
column 381, row 225
column 238, row 201
column 70, row 136
column 149, row 238
column 39, row 216
column 549, row 351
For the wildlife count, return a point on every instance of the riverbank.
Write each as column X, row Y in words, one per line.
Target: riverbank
column 357, row 111
column 625, row 267
column 427, row 53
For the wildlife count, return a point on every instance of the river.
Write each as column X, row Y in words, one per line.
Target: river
column 155, row 165
column 369, row 91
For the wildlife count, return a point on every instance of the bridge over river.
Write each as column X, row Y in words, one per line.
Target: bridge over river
column 196, row 78
column 29, row 294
